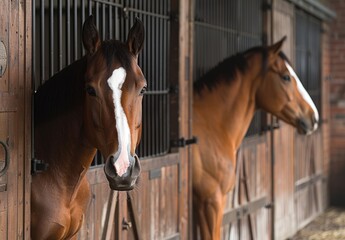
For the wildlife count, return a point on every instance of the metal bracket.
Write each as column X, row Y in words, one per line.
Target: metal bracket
column 3, row 58
column 7, row 159
column 126, row 225
column 182, row 142
column 38, row 166
column 270, row 127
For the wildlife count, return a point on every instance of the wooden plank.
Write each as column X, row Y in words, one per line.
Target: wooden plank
column 242, row 211
column 3, row 225
column 26, row 7
column 110, row 216
column 160, row 162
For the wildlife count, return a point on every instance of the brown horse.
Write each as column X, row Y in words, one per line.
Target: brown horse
column 225, row 100
column 95, row 103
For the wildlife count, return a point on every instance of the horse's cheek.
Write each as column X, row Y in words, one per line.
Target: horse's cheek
column 96, row 114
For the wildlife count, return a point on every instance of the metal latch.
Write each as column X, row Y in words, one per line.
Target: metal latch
column 182, row 142
column 7, row 159
column 3, row 186
column 3, row 59
column 270, row 127
column 126, row 225
column 38, row 166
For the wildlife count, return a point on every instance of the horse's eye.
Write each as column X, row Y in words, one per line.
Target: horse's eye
column 143, row 90
column 286, row 78
column 90, row 90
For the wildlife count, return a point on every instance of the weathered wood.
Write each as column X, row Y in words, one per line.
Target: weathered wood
column 110, row 216
column 15, row 118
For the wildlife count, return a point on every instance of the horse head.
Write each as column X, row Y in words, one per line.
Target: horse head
column 282, row 93
column 114, row 88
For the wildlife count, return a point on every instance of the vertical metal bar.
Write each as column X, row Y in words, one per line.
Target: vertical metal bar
column 34, row 45
column 51, row 37
column 90, row 7
column 97, row 15
column 82, row 11
column 110, row 22
column 60, row 34
column 103, row 22
column 156, row 80
column 42, row 42
column 68, row 32
column 145, row 60
column 149, row 52
column 82, row 22
column 75, row 40
column 117, row 24
column 161, row 77
column 168, row 73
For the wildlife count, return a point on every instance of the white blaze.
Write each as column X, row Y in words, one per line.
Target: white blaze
column 304, row 93
column 115, row 83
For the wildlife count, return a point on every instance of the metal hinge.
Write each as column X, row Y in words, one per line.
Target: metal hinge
column 270, row 127
column 38, row 166
column 182, row 142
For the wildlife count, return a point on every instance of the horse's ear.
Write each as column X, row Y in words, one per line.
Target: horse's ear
column 91, row 38
column 277, row 47
column 136, row 35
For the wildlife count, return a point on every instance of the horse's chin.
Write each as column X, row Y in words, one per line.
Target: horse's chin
column 127, row 181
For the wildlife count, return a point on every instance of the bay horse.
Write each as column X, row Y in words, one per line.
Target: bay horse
column 94, row 103
column 224, row 102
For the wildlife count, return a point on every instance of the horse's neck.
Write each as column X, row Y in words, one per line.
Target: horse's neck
column 60, row 144
column 228, row 109
column 59, row 139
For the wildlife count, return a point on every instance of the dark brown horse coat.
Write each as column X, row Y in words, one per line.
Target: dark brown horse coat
column 95, row 103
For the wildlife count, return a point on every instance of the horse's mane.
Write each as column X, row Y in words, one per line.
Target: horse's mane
column 60, row 93
column 64, row 91
column 226, row 70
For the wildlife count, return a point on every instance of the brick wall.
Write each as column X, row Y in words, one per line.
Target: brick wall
column 337, row 101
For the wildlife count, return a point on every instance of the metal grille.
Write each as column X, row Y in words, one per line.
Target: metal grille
column 57, row 42
column 308, row 54
column 224, row 28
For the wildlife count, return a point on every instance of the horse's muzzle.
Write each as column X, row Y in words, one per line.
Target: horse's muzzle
column 306, row 126
column 128, row 180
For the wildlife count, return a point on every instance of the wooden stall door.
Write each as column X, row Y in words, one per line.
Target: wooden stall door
column 15, row 115
column 247, row 215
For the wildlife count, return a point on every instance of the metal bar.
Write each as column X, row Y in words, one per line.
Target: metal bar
column 51, row 38
column 109, row 3
column 42, row 41
column 75, row 40
column 103, row 22
column 148, row 13
column 110, row 22
column 60, row 35
column 33, row 52
column 68, row 32
column 82, row 21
